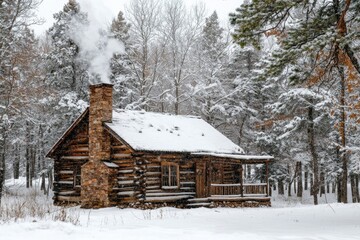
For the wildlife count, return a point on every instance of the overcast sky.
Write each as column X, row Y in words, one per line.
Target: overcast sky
column 106, row 10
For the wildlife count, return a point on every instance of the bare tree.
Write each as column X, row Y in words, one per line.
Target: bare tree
column 180, row 30
column 15, row 17
column 145, row 18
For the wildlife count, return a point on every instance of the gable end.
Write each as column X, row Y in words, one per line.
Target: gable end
column 56, row 146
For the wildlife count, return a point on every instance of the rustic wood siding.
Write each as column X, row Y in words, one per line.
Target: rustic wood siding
column 139, row 177
column 67, row 167
column 155, row 192
column 126, row 190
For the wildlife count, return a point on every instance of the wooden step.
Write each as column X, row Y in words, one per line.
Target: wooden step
column 197, row 200
column 200, row 204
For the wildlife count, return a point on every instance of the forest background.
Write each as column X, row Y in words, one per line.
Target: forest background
column 283, row 79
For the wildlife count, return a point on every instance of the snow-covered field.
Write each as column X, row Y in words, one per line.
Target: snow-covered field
column 286, row 220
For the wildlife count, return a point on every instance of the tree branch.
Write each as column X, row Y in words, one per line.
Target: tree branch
column 352, row 57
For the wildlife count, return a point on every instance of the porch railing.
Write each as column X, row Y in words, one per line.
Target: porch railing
column 249, row 189
column 255, row 188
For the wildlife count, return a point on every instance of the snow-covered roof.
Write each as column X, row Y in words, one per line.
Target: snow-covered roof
column 148, row 131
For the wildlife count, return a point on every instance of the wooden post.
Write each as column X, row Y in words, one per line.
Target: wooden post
column 267, row 178
column 241, row 181
column 200, row 169
column 208, row 166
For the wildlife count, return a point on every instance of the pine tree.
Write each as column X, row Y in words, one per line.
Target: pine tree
column 244, row 111
column 121, row 72
column 67, row 72
column 211, row 85
column 318, row 34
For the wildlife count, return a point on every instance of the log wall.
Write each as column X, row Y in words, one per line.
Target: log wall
column 126, row 190
column 155, row 192
column 67, row 166
column 139, row 176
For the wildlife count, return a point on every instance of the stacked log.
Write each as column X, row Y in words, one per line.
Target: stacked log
column 67, row 166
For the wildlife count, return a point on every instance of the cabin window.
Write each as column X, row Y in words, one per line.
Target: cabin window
column 169, row 175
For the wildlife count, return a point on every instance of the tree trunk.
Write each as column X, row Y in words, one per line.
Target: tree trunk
column 353, row 188
column 342, row 133
column 2, row 159
column 339, row 56
column 322, row 183
column 42, row 186
column 177, row 97
column 49, row 174
column 2, row 164
column 295, row 177
column 289, row 180
column 311, row 184
column 1, row 181
column 41, row 148
column 281, row 190
column 16, row 164
column 27, row 155
column 32, row 165
column 314, row 157
column 339, row 189
column 327, row 187
column 306, row 178
column 357, row 187
column 50, row 179
column 289, row 188
column 300, row 187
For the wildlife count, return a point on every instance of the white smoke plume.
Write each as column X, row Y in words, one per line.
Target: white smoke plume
column 95, row 46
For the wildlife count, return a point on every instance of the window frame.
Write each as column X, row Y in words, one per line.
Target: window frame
column 168, row 165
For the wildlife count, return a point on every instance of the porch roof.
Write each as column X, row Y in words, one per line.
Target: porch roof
column 237, row 158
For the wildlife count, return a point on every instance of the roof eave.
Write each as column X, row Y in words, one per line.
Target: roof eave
column 50, row 153
column 115, row 135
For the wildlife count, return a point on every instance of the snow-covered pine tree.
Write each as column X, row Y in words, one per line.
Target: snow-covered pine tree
column 303, row 125
column 121, row 72
column 323, row 33
column 245, row 104
column 210, row 88
column 66, row 73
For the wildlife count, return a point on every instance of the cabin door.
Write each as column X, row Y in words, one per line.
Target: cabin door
column 202, row 186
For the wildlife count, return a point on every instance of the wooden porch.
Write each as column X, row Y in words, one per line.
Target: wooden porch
column 237, row 189
column 225, row 181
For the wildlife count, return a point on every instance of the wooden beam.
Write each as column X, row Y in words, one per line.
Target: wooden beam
column 267, row 179
column 241, row 181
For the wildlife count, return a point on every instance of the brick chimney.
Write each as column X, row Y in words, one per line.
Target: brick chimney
column 97, row 180
column 100, row 111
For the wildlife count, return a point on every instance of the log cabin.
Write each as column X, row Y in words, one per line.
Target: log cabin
column 111, row 157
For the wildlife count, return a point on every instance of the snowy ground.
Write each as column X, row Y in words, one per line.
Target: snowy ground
column 288, row 219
